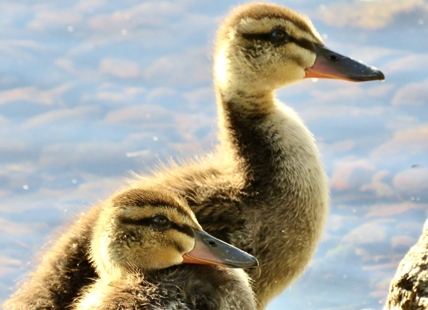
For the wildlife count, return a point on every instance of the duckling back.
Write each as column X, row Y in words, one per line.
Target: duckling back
column 63, row 270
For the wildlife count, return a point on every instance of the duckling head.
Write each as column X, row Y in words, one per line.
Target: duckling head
column 261, row 47
column 141, row 230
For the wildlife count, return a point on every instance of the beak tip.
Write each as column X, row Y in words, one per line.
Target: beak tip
column 381, row 76
column 251, row 263
column 256, row 263
column 375, row 75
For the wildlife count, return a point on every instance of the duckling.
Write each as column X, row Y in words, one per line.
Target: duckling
column 138, row 235
column 264, row 189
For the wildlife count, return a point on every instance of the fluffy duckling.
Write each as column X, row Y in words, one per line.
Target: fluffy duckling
column 264, row 189
column 142, row 232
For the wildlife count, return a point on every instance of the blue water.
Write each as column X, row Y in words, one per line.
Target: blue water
column 92, row 90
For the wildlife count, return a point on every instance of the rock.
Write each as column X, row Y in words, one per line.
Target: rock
column 409, row 287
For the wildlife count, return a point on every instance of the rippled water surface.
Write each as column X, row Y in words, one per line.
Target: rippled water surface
column 90, row 90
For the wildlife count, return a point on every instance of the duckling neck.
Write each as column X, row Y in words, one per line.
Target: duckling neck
column 284, row 187
column 269, row 142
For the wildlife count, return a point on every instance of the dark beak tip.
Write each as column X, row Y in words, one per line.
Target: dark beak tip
column 252, row 263
column 380, row 75
column 370, row 74
column 243, row 260
column 256, row 263
column 376, row 75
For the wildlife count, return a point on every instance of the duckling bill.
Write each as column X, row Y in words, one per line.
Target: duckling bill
column 209, row 250
column 331, row 65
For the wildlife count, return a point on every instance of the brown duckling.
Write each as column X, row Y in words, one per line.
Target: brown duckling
column 264, row 188
column 138, row 235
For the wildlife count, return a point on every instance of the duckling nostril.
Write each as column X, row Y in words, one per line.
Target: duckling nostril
column 333, row 57
column 212, row 243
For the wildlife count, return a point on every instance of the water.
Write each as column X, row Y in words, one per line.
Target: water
column 92, row 90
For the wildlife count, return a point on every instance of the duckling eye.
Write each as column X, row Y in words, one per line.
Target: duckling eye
column 278, row 36
column 160, row 220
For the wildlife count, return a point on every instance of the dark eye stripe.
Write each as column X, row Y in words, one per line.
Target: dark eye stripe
column 257, row 36
column 148, row 221
column 306, row 44
column 187, row 230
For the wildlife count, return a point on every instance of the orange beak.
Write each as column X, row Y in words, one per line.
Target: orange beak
column 212, row 251
column 331, row 65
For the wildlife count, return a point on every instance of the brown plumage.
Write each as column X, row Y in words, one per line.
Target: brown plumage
column 263, row 189
column 138, row 236
column 186, row 287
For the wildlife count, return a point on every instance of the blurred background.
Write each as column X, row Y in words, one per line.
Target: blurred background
column 93, row 89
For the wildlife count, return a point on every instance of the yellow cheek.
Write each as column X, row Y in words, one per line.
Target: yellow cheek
column 284, row 74
column 307, row 56
column 166, row 258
